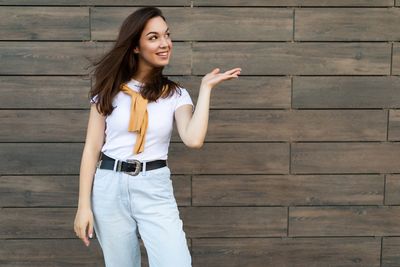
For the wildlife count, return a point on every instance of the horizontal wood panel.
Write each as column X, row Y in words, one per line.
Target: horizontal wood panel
column 225, row 125
column 36, row 191
column 37, row 223
column 71, row 92
column 44, row 23
column 203, row 2
column 295, row 125
column 38, row 92
column 392, row 189
column 310, row 252
column 97, row 2
column 344, row 221
column 345, row 158
column 285, row 190
column 390, row 251
column 40, row 158
column 238, row 158
column 396, row 59
column 57, row 252
column 256, row 158
column 50, row 252
column 394, row 125
column 208, row 24
column 294, row 58
column 43, row 125
column 352, row 24
column 41, row 223
column 265, row 92
column 45, row 57
column 234, row 221
column 346, row 92
column 293, row 3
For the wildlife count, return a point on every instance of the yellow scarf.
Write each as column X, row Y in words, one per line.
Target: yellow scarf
column 138, row 118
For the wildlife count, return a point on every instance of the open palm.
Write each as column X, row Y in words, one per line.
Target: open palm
column 214, row 77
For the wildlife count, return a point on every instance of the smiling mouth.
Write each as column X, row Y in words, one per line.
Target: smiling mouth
column 163, row 54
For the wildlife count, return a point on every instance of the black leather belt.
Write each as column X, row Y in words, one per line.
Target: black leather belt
column 131, row 167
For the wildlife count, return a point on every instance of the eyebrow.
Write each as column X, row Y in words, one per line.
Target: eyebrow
column 156, row 32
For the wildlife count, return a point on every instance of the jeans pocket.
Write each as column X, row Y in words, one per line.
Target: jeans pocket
column 100, row 178
column 162, row 182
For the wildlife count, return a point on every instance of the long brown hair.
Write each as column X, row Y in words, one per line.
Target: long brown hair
column 120, row 64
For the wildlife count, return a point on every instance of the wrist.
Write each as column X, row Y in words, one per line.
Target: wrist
column 204, row 87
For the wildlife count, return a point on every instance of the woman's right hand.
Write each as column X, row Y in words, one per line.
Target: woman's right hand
column 83, row 224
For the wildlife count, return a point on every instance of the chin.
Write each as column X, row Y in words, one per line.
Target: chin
column 162, row 64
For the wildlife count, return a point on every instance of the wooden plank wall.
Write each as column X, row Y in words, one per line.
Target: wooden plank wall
column 301, row 165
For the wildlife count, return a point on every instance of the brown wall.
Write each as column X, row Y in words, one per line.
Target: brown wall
column 301, row 165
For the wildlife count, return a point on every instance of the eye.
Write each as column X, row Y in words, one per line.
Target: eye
column 151, row 38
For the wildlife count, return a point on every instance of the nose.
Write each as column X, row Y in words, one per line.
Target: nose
column 164, row 43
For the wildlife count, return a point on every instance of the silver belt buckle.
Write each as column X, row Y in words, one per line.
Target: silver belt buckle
column 137, row 166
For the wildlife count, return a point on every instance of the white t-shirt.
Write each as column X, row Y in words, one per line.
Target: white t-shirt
column 119, row 142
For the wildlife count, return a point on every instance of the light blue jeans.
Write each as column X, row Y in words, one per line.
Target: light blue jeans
column 126, row 207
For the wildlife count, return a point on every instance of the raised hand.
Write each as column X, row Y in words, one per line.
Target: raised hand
column 214, row 77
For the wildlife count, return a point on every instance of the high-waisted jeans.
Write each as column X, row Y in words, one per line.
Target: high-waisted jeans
column 126, row 207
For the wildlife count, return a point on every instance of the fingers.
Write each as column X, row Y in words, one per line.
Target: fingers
column 216, row 70
column 232, row 71
column 91, row 229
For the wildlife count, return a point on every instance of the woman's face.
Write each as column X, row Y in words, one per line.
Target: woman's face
column 155, row 45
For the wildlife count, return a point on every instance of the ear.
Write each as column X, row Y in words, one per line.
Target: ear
column 136, row 50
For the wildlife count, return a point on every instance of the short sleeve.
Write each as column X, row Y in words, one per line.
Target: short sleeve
column 94, row 99
column 183, row 99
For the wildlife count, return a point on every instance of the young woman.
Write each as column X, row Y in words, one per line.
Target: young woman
column 125, row 187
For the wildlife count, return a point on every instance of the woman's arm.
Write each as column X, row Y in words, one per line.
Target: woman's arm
column 91, row 152
column 83, row 224
column 192, row 128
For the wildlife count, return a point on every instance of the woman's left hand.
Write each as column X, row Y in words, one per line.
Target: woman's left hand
column 214, row 77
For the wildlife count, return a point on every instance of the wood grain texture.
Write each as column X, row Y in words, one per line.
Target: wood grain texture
column 39, row 191
column 346, row 92
column 344, row 221
column 259, row 92
column 272, row 3
column 300, row 166
column 40, row 92
column 390, row 251
column 392, row 189
column 294, row 58
column 396, row 59
column 36, row 58
column 33, row 158
column 234, row 221
column 57, row 252
column 321, row 3
column 44, row 23
column 312, row 252
column 225, row 125
column 50, row 252
column 295, row 125
column 205, row 24
column 394, row 125
column 345, row 157
column 238, row 158
column 288, row 190
column 96, row 2
column 352, row 24
column 43, row 125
